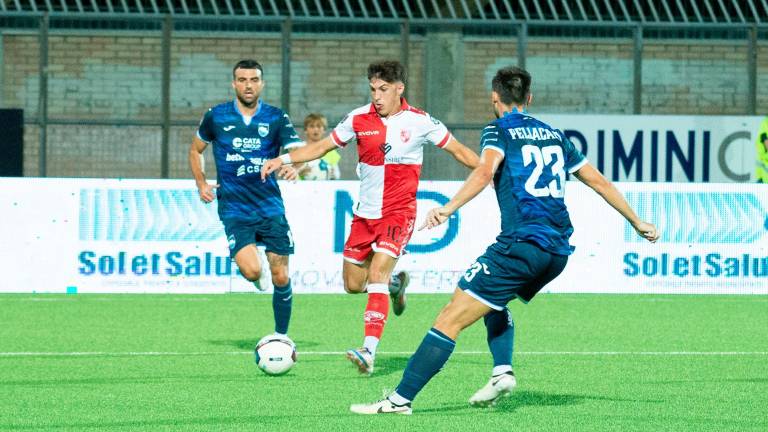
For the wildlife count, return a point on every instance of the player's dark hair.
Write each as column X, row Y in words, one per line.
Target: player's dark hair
column 391, row 71
column 512, row 84
column 247, row 64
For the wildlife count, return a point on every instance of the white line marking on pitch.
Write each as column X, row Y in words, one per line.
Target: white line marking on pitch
column 333, row 353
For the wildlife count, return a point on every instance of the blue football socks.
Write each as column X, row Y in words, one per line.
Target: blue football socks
column 501, row 337
column 425, row 363
column 282, row 300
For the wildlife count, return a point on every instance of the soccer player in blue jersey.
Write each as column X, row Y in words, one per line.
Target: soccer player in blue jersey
column 245, row 133
column 527, row 160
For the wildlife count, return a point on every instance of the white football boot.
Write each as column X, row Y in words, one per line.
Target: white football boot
column 384, row 406
column 497, row 387
column 362, row 358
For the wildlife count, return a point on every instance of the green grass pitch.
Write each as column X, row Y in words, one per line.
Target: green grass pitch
column 185, row 363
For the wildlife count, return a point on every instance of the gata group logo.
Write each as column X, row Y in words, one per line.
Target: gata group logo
column 246, row 144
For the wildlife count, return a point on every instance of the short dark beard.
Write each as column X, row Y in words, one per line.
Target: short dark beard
column 246, row 104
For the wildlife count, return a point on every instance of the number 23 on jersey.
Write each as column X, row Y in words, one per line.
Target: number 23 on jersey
column 541, row 158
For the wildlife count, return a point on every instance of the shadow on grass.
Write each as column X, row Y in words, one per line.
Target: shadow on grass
column 523, row 398
column 390, row 364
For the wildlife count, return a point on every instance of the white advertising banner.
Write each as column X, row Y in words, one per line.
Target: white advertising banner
column 155, row 236
column 651, row 148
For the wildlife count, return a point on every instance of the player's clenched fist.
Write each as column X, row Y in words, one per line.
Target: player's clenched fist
column 288, row 172
column 647, row 231
column 269, row 167
column 207, row 192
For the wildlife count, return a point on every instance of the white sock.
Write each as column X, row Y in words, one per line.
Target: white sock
column 396, row 399
column 501, row 369
column 371, row 343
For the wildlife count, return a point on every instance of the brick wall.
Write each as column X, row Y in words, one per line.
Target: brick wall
column 111, row 76
column 699, row 78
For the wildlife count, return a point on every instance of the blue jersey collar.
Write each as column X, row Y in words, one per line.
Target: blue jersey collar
column 246, row 119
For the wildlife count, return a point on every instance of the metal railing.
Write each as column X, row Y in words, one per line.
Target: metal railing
column 519, row 27
column 612, row 11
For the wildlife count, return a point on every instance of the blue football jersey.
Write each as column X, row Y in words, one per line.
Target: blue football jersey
column 241, row 145
column 530, row 181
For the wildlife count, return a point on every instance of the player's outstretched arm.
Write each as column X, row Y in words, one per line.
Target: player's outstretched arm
column 463, row 154
column 195, row 157
column 594, row 179
column 302, row 154
column 477, row 181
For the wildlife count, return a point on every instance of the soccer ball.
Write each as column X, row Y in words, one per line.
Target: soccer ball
column 315, row 170
column 275, row 354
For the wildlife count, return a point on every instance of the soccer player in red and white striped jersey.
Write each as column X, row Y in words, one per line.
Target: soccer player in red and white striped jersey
column 390, row 136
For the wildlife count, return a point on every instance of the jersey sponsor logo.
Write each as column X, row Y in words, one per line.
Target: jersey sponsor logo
column 405, row 135
column 228, row 128
column 385, row 148
column 367, row 133
column 246, row 144
column 536, row 134
column 255, row 168
column 435, row 121
column 263, row 129
column 234, row 157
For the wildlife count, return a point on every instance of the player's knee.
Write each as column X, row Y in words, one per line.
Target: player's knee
column 353, row 284
column 280, row 276
column 353, row 287
column 250, row 273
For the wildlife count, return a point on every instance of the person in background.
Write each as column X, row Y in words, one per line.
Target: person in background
column 327, row 167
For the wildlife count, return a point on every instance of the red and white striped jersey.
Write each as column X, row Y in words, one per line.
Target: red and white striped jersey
column 390, row 151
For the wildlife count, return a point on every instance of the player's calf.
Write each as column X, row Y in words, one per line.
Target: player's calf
column 397, row 286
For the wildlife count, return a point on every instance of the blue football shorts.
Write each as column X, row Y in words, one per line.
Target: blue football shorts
column 508, row 271
column 273, row 233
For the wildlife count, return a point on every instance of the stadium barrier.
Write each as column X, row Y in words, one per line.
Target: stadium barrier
column 155, row 236
column 651, row 148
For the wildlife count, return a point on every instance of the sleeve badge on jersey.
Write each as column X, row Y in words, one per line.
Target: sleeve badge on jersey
column 263, row 129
